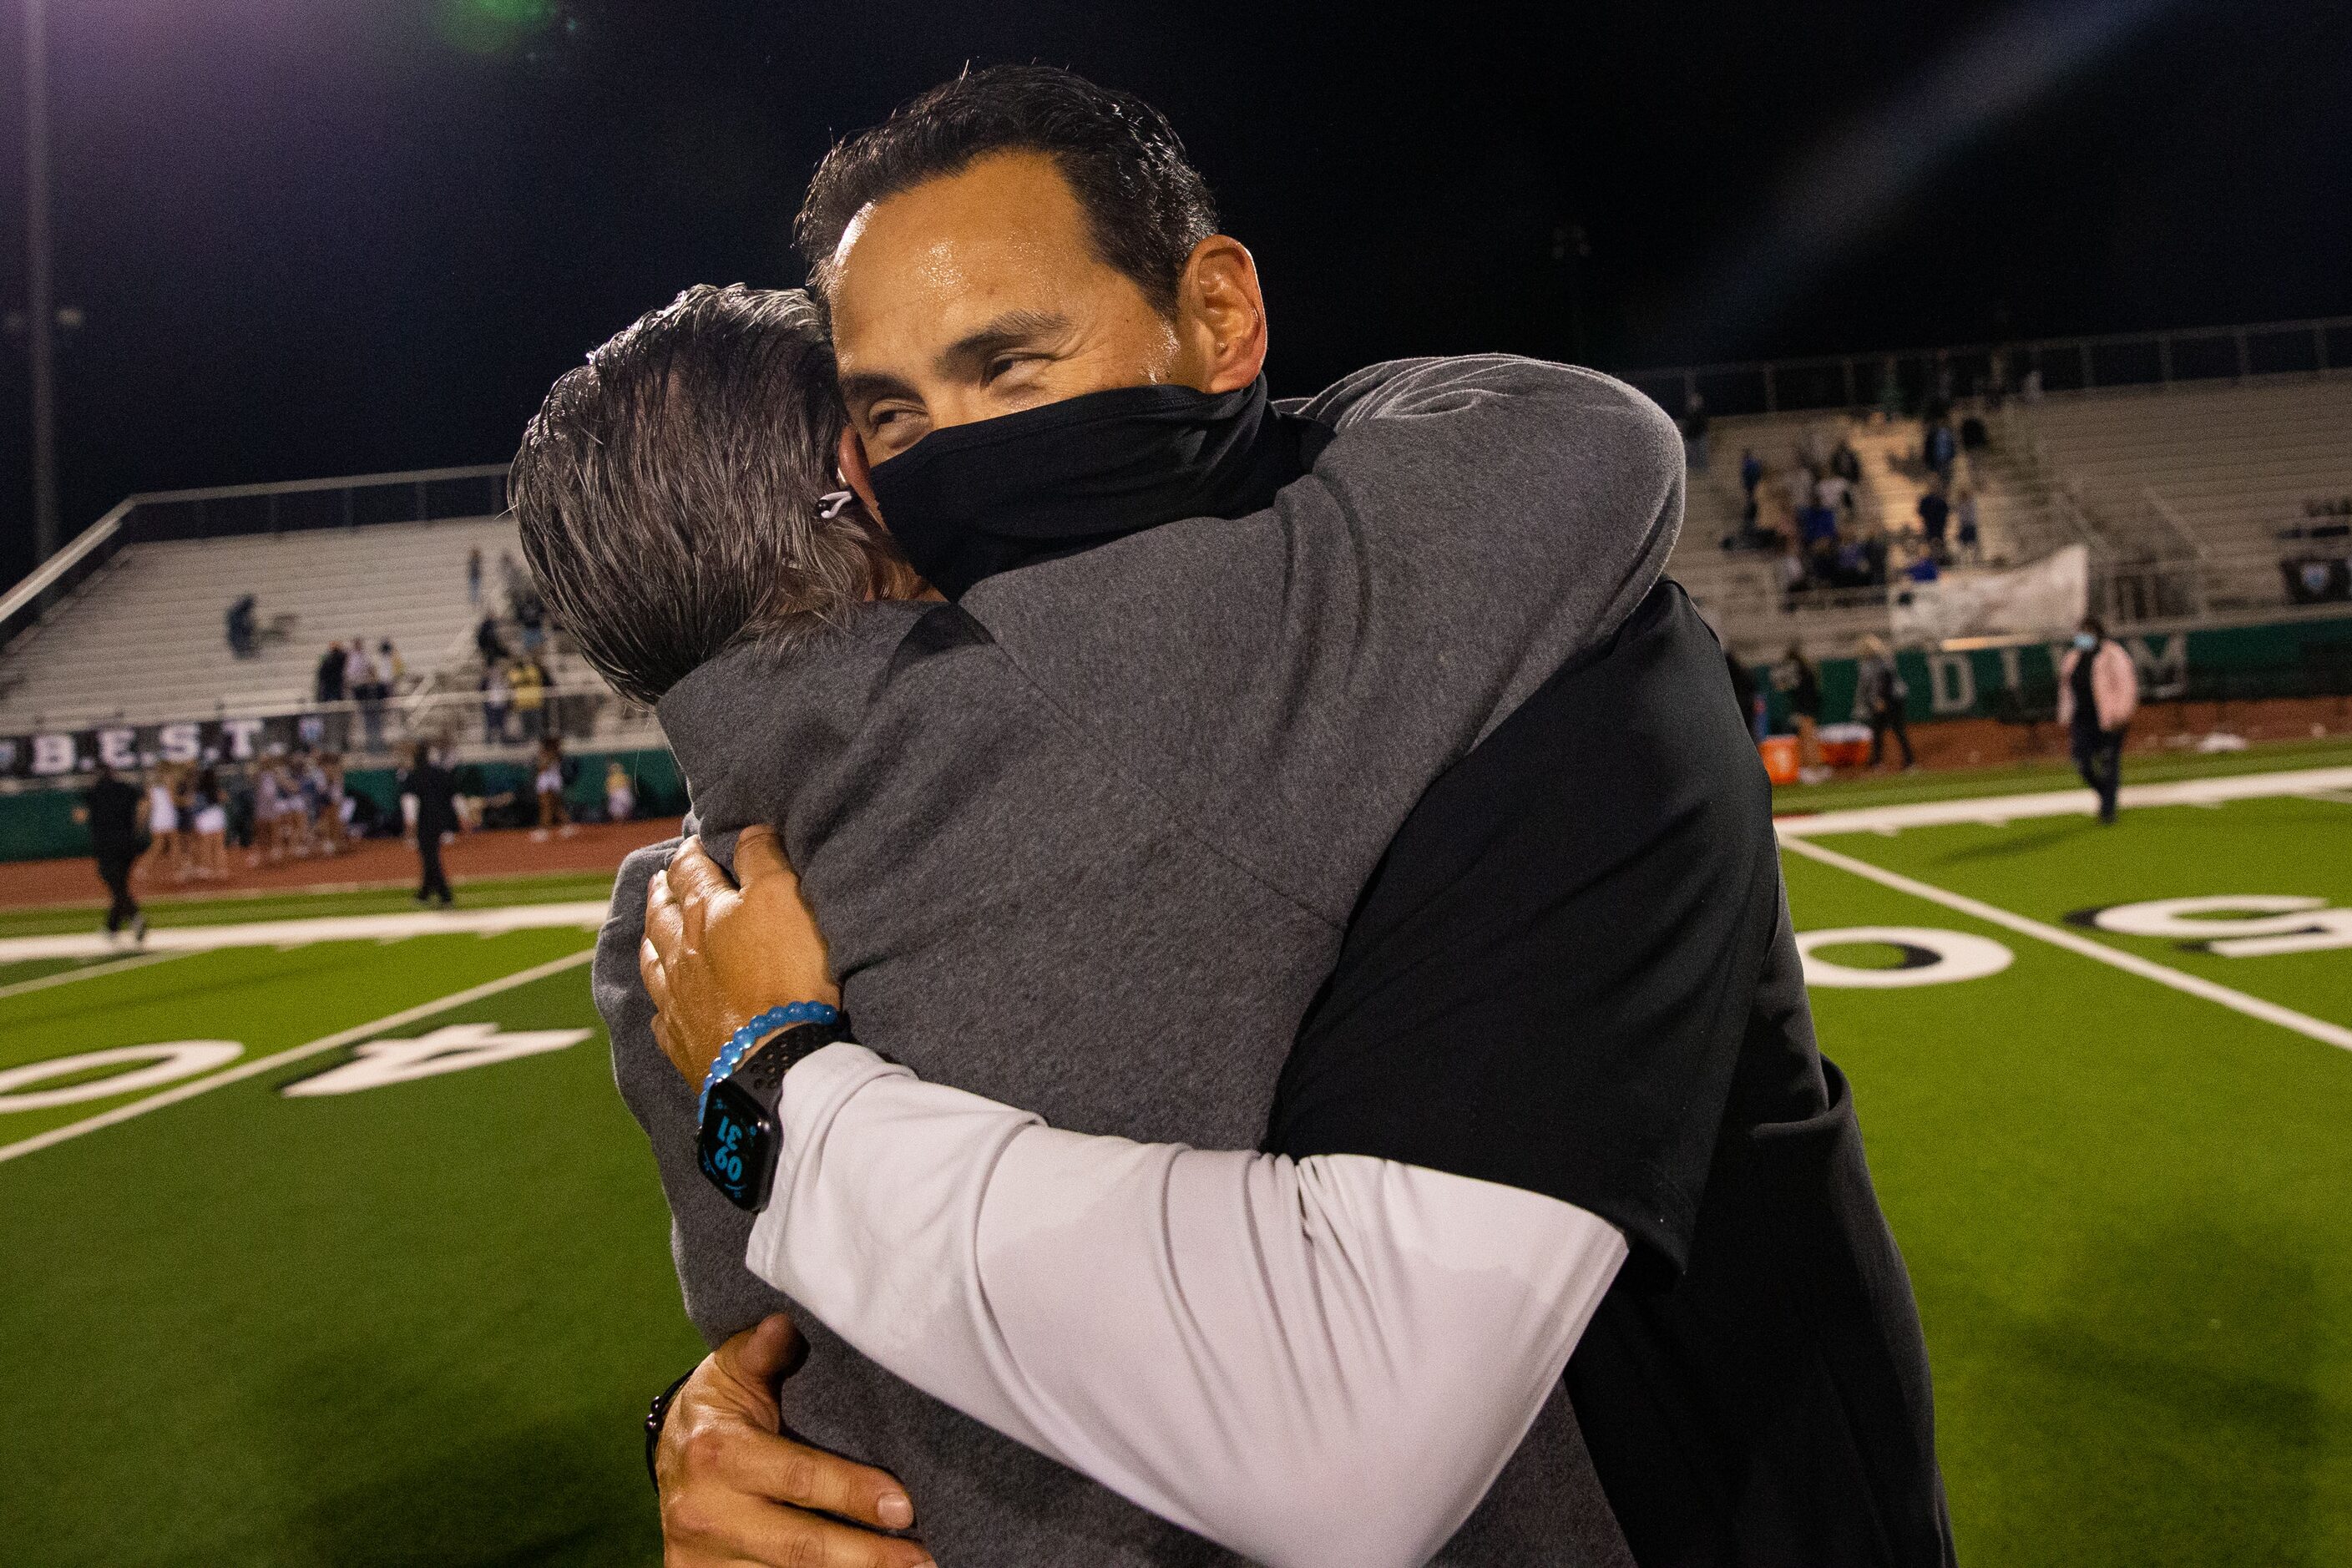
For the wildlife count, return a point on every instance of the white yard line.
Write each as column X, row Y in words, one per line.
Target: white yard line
column 89, row 972
column 2001, row 809
column 243, row 1070
column 328, row 928
column 2058, row 936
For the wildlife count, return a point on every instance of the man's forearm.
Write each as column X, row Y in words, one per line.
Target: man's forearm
column 1312, row 1363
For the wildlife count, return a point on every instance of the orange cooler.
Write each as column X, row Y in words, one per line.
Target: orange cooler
column 1780, row 752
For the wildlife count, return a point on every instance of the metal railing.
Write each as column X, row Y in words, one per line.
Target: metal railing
column 1902, row 381
column 417, row 495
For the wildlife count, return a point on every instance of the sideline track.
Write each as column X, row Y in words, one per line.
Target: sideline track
column 497, row 921
column 259, row 1065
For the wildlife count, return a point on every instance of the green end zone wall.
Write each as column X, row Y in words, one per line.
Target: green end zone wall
column 36, row 821
column 2284, row 658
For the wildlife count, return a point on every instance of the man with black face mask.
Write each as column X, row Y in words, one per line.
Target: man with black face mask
column 1568, row 978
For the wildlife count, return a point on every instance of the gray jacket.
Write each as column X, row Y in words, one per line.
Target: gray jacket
column 1085, row 843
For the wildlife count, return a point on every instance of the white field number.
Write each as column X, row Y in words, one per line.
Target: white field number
column 2235, row 925
column 166, row 1063
column 453, row 1048
column 1930, row 956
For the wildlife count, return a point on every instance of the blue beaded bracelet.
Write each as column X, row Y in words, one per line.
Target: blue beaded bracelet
column 739, row 1045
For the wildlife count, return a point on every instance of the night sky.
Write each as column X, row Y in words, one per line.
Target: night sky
column 325, row 237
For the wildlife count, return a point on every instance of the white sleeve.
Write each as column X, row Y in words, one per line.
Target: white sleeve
column 1316, row 1362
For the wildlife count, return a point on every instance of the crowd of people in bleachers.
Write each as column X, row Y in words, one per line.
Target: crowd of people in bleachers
column 1813, row 515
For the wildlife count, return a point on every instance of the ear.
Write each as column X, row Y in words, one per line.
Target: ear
column 857, row 473
column 1220, row 316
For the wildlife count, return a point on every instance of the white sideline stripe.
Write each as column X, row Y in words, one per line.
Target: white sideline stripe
column 325, row 928
column 89, row 972
column 2000, row 810
column 243, row 1070
column 2057, row 936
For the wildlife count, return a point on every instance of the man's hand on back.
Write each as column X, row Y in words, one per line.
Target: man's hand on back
column 718, row 953
column 734, row 1490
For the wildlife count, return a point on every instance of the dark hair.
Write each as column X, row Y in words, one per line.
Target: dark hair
column 668, row 490
column 1146, row 205
column 2095, row 626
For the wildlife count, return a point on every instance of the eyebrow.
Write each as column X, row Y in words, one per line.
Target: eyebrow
column 860, row 388
column 968, row 354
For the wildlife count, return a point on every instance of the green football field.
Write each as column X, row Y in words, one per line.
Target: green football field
column 411, row 1310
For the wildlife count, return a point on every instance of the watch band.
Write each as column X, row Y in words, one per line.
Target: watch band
column 763, row 1072
column 747, row 1039
column 655, row 1414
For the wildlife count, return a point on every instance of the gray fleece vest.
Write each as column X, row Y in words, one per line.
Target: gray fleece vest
column 1086, row 843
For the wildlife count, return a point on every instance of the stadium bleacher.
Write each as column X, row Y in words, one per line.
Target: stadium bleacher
column 2226, row 466
column 2195, row 482
column 144, row 640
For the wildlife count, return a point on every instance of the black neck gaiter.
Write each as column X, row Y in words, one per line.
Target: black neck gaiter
column 969, row 501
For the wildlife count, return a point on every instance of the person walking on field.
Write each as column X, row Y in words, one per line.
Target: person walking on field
column 1878, row 696
column 2098, row 692
column 429, row 798
column 111, row 809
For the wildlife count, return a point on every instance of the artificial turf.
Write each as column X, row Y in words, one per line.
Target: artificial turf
column 2127, row 1212
column 417, row 1323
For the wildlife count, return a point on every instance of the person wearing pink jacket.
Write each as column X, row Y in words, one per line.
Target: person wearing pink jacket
column 2098, row 691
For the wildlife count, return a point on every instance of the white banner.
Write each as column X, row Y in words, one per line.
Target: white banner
column 2045, row 599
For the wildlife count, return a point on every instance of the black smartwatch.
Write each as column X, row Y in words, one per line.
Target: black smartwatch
column 740, row 1138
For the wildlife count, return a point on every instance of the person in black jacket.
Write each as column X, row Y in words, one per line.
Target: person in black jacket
column 110, row 808
column 429, row 792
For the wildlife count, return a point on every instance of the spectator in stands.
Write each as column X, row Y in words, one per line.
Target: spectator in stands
column 1939, row 449
column 547, row 783
column 1846, row 463
column 1797, row 677
column 428, row 803
column 1879, row 694
column 620, row 793
column 368, row 693
column 1792, row 569
column 496, row 696
column 208, row 820
column 1832, row 493
column 1923, row 567
column 1751, row 474
column 1695, row 432
column 329, row 681
column 474, row 578
column 530, row 615
column 528, row 680
column 2028, row 386
column 2098, row 692
column 1971, row 544
column 110, row 809
column 491, row 646
column 1935, row 518
column 241, row 629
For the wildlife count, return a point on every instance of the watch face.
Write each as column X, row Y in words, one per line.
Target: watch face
column 736, row 1149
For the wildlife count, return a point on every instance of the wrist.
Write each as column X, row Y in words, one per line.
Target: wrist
column 756, row 1032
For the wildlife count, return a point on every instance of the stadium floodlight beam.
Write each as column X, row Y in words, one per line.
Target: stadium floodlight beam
column 40, row 284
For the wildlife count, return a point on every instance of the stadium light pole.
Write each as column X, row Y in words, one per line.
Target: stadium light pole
column 40, row 283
